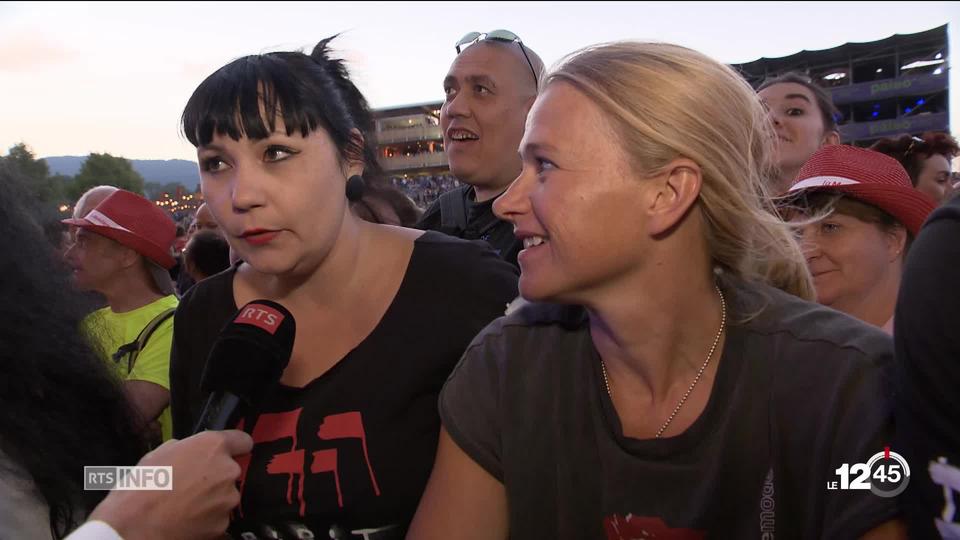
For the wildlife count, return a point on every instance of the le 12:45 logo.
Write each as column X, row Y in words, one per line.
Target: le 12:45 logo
column 886, row 474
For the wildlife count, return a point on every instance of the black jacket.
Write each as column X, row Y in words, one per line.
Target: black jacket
column 457, row 213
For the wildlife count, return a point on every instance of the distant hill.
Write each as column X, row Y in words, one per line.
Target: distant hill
column 152, row 170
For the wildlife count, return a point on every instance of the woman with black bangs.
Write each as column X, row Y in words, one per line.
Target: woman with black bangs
column 346, row 441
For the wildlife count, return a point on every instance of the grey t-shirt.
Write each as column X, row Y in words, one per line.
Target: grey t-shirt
column 801, row 389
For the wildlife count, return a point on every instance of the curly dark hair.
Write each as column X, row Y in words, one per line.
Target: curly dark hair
column 912, row 151
column 62, row 407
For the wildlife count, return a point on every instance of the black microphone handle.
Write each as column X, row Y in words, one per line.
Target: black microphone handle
column 216, row 414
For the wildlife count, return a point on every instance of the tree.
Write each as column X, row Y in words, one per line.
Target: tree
column 104, row 169
column 31, row 167
column 46, row 188
column 55, row 189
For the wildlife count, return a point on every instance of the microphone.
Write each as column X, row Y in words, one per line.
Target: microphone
column 246, row 361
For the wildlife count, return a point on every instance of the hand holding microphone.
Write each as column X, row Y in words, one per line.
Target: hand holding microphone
column 245, row 363
column 204, row 490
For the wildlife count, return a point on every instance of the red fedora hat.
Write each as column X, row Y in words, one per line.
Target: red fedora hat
column 869, row 176
column 134, row 222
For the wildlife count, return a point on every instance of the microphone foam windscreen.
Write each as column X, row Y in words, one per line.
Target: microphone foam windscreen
column 251, row 352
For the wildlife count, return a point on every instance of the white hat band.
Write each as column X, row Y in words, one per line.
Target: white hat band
column 823, row 181
column 95, row 217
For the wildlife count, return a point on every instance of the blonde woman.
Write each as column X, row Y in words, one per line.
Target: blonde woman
column 675, row 386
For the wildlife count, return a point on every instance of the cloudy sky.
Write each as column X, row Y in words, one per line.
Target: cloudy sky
column 113, row 77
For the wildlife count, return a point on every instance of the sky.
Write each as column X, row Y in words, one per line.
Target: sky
column 83, row 77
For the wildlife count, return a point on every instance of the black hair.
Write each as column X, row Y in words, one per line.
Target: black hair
column 829, row 113
column 913, row 152
column 208, row 252
column 405, row 208
column 244, row 97
column 62, row 407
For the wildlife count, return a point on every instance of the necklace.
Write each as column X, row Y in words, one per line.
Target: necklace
column 716, row 340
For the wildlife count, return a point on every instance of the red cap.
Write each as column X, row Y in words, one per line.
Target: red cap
column 134, row 222
column 869, row 176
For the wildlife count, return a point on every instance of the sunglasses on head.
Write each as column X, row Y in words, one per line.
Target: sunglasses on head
column 914, row 141
column 505, row 36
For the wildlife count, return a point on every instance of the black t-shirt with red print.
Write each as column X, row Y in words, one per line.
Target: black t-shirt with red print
column 349, row 454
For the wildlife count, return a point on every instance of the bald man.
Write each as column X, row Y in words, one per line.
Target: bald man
column 90, row 199
column 203, row 220
column 87, row 202
column 489, row 89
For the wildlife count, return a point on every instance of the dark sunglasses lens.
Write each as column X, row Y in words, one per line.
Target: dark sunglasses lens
column 503, row 35
column 472, row 36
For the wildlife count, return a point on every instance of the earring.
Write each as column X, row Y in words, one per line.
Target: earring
column 355, row 186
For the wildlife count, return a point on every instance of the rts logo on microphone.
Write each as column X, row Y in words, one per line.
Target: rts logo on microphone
column 261, row 316
column 886, row 474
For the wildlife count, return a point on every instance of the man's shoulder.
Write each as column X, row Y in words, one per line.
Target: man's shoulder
column 432, row 219
column 143, row 316
column 160, row 317
column 463, row 192
column 102, row 326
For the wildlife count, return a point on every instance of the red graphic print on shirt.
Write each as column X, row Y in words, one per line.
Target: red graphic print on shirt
column 305, row 457
column 630, row 527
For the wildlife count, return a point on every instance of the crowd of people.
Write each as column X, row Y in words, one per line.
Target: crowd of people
column 677, row 312
column 423, row 190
